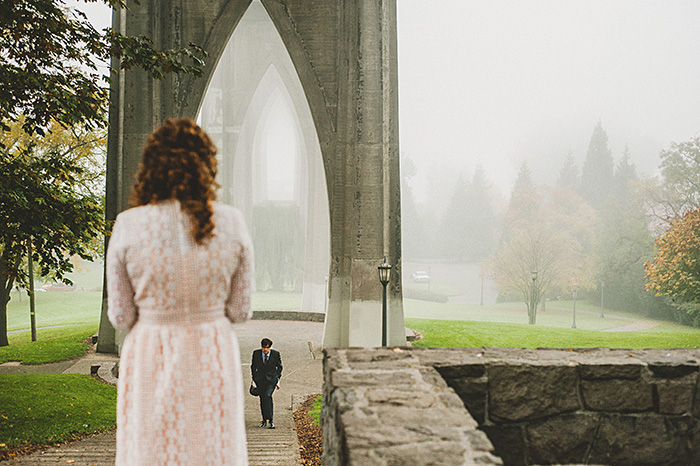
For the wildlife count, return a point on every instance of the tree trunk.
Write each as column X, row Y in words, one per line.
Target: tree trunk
column 5, row 288
column 32, row 297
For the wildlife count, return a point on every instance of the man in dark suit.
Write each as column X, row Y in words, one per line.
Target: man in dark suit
column 266, row 369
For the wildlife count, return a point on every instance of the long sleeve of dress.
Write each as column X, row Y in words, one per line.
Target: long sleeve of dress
column 121, row 309
column 238, row 303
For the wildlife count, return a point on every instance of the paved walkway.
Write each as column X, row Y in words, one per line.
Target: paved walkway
column 635, row 326
column 302, row 376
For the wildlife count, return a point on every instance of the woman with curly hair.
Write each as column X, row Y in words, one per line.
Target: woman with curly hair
column 179, row 272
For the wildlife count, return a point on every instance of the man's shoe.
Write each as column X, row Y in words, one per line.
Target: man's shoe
column 271, row 426
column 264, row 423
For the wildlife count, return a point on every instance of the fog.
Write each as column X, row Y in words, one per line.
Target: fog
column 491, row 92
column 499, row 82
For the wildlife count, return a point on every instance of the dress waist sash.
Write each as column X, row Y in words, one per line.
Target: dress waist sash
column 180, row 317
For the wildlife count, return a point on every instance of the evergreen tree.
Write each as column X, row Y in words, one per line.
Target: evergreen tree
column 455, row 224
column 523, row 208
column 625, row 174
column 568, row 175
column 413, row 235
column 624, row 243
column 480, row 217
column 597, row 176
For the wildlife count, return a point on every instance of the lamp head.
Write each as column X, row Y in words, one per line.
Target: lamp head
column 384, row 272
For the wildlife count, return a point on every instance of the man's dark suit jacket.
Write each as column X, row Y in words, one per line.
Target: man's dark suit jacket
column 269, row 373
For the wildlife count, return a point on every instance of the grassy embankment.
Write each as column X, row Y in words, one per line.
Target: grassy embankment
column 45, row 409
column 49, row 409
column 505, row 325
column 445, row 333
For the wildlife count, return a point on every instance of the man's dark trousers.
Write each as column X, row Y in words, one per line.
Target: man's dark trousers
column 266, row 404
column 266, row 376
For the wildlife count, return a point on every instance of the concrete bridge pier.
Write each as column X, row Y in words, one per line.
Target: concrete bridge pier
column 345, row 54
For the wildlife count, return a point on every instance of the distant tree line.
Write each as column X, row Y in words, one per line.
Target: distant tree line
column 594, row 229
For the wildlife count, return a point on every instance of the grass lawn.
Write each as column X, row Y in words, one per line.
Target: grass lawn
column 558, row 314
column 276, row 300
column 46, row 409
column 53, row 344
column 84, row 307
column 445, row 333
column 55, row 308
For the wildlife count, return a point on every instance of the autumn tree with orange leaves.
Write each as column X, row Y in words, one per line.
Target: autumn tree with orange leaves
column 675, row 270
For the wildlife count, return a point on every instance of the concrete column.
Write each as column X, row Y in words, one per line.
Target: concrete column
column 317, row 249
column 364, row 215
column 135, row 104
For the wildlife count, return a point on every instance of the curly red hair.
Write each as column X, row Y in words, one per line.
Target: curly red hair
column 179, row 162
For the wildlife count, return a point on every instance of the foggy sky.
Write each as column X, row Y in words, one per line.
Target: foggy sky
column 499, row 82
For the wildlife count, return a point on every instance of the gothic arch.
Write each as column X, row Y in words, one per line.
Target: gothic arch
column 247, row 95
column 345, row 56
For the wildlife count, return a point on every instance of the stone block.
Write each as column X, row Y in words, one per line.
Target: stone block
column 696, row 400
column 436, row 420
column 642, row 440
column 695, row 445
column 462, row 371
column 479, row 441
column 509, row 354
column 375, row 355
column 610, row 371
column 622, row 396
column 357, row 378
column 672, row 370
column 342, row 400
column 433, row 453
column 410, row 396
column 561, row 439
column 675, row 397
column 377, row 427
column 333, row 360
column 508, row 443
column 473, row 393
column 449, row 356
column 520, row 392
column 432, row 377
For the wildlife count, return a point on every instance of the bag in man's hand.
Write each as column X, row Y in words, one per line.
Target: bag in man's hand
column 253, row 389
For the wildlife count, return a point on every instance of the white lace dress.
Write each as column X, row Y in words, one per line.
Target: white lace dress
column 180, row 396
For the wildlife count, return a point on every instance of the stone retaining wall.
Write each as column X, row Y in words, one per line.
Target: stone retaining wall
column 547, row 406
column 306, row 316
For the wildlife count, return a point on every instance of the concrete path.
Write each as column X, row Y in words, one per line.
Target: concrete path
column 635, row 326
column 302, row 376
column 25, row 330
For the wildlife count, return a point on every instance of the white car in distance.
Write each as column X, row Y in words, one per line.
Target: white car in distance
column 420, row 276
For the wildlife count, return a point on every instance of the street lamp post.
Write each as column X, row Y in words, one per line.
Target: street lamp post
column 384, row 273
column 602, row 299
column 575, row 287
column 532, row 297
column 481, row 302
